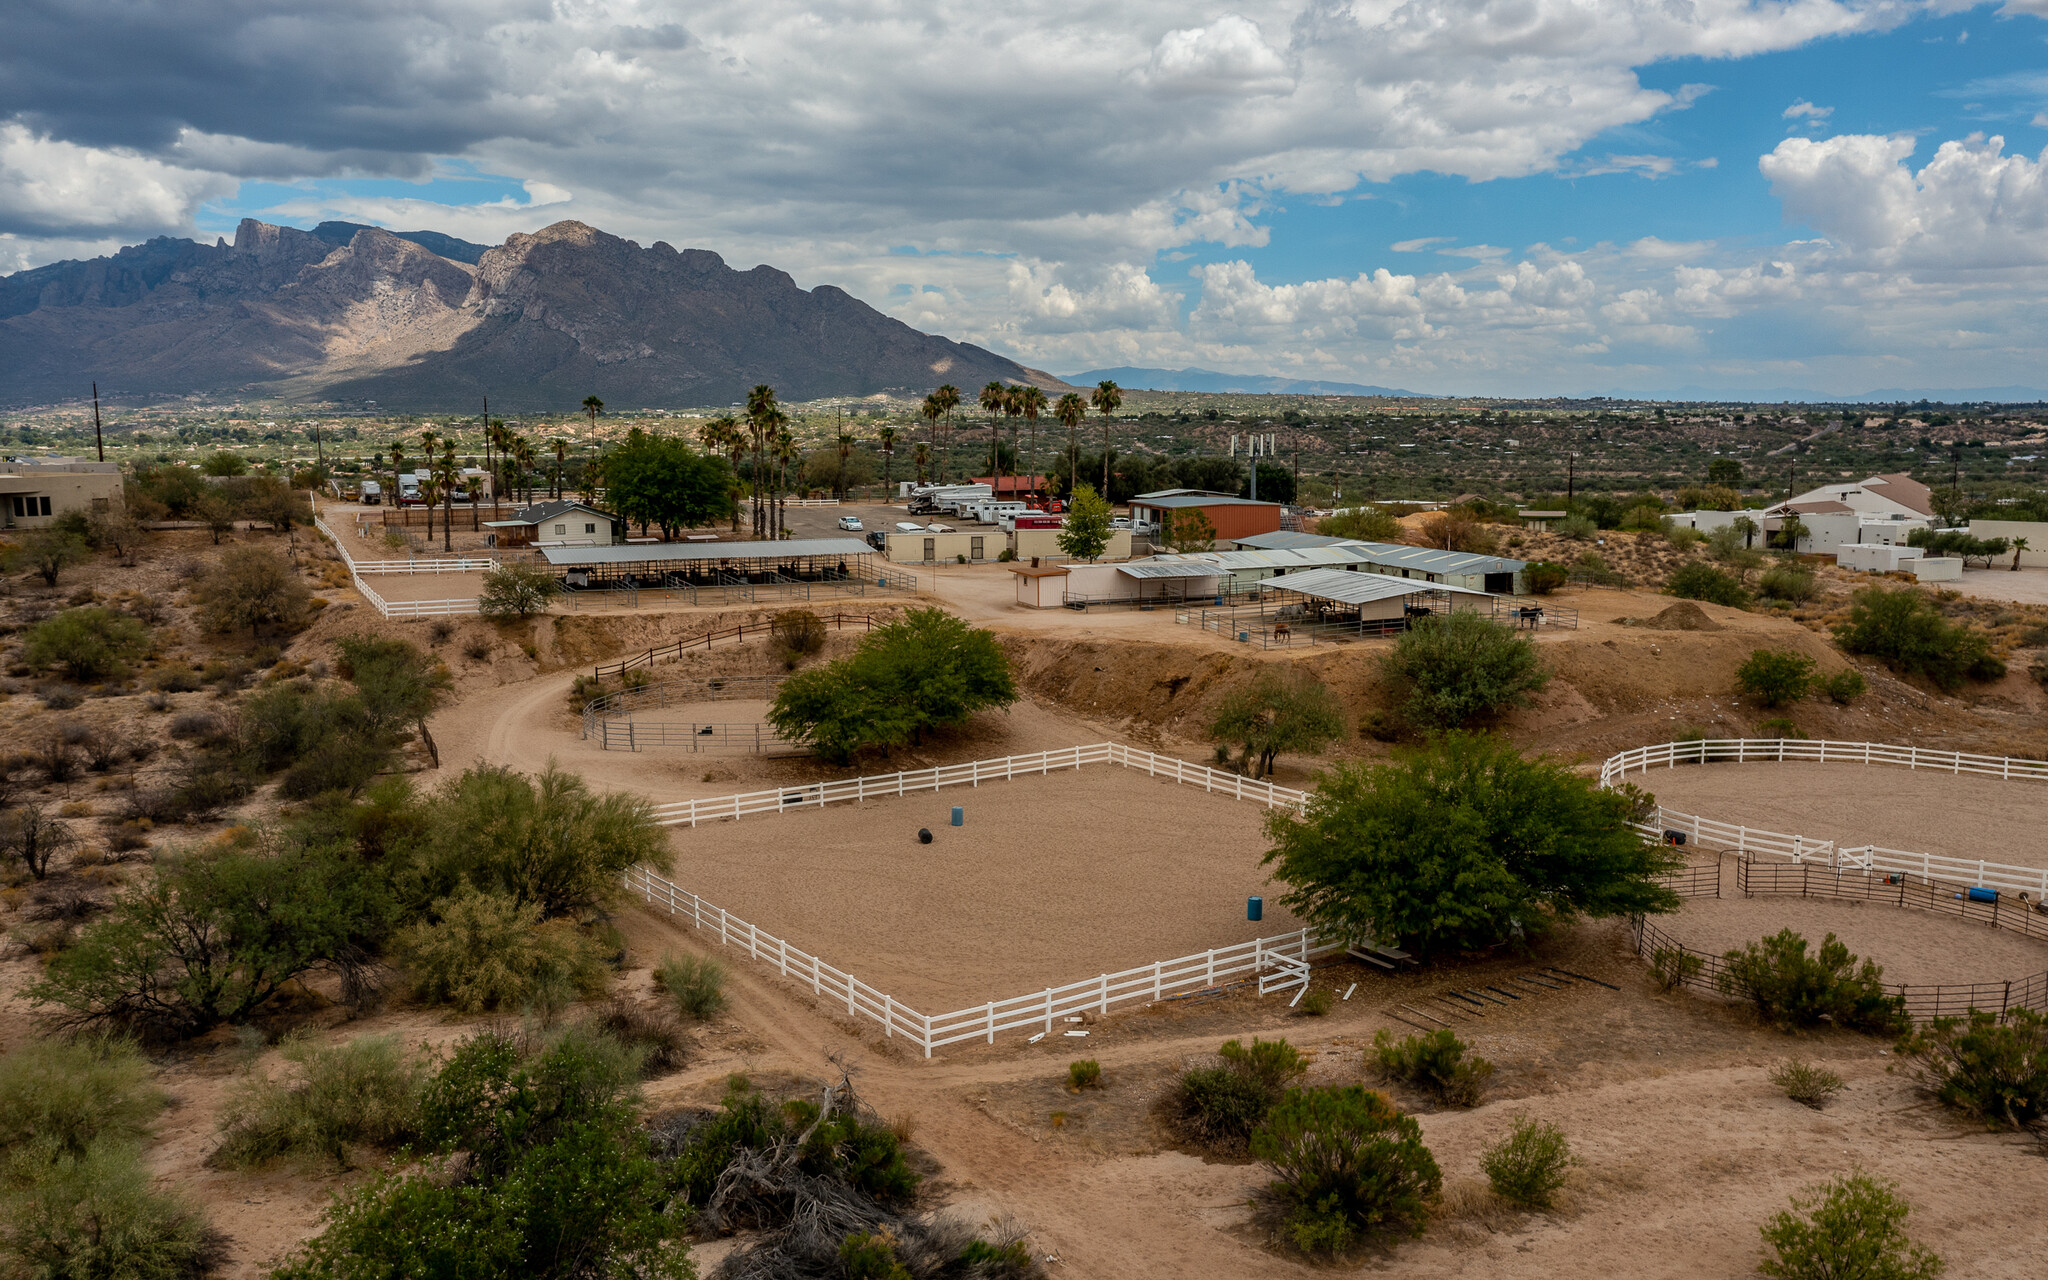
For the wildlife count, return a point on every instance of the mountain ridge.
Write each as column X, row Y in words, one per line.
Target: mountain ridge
column 1210, row 382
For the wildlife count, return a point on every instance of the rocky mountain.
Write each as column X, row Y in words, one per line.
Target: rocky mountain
column 536, row 323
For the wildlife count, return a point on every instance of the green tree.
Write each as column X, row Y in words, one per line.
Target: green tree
column 1086, row 533
column 1990, row 1066
column 1454, row 669
column 1725, row 471
column 1189, row 529
column 90, row 643
column 1107, row 399
column 1366, row 524
column 225, row 463
column 398, row 685
column 218, row 514
column 517, row 589
column 1071, row 410
column 1791, row 987
column 1775, row 677
column 1950, row 503
column 926, row 670
column 1698, row 581
column 1461, row 845
column 660, row 480
column 253, row 587
column 48, row 552
column 1852, row 1225
column 1276, row 715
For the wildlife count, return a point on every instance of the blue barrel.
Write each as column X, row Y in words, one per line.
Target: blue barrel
column 1254, row 908
column 1981, row 894
column 959, row 816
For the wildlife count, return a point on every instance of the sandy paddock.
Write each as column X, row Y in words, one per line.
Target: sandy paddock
column 1957, row 816
column 1915, row 947
column 1053, row 879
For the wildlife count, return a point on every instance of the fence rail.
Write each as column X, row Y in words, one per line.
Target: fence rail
column 1970, row 872
column 705, row 639
column 395, row 608
column 695, row 737
column 667, row 693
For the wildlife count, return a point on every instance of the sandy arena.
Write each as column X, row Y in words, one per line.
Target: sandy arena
column 1915, row 947
column 1052, row 880
column 1957, row 816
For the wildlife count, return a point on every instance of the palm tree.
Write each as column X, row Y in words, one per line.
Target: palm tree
column 2018, row 545
column 1108, row 397
column 474, row 487
column 593, row 406
column 561, row 460
column 947, row 398
column 1070, row 410
column 1031, row 403
column 760, row 405
column 929, row 411
column 430, row 493
column 450, row 478
column 522, row 461
column 785, row 452
column 1013, row 406
column 845, row 452
column 995, row 397
column 723, row 435
column 922, row 456
column 503, row 439
column 887, row 435
column 397, row 461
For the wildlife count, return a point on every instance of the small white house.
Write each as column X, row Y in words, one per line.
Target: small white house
column 558, row 524
column 1876, row 557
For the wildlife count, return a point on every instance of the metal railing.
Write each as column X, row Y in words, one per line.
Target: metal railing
column 705, row 639
column 695, row 738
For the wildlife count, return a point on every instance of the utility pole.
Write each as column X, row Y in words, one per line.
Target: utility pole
column 1955, row 459
column 1571, row 475
column 96, row 437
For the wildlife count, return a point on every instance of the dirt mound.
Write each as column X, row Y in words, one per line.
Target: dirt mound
column 1683, row 616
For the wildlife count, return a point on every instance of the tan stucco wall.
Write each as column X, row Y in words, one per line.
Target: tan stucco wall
column 66, row 490
column 2034, row 531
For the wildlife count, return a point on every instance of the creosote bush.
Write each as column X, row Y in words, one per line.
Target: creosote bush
column 1775, row 677
column 1434, row 1061
column 695, row 985
column 1084, row 1074
column 1223, row 1104
column 1906, row 631
column 1853, row 1225
column 89, row 644
column 1528, row 1166
column 1844, row 687
column 485, row 949
column 1805, row 1083
column 1989, row 1066
column 362, row 1093
column 1456, row 669
column 1698, row 581
column 1347, row 1167
column 1792, row 988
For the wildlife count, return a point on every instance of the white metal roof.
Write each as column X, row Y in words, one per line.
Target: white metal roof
column 1169, row 569
column 1346, row 587
column 1283, row 558
column 793, row 549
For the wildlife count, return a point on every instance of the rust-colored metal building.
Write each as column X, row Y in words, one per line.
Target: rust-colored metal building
column 1232, row 517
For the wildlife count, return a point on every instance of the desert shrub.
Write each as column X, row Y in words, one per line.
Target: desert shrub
column 175, row 679
column 1789, row 582
column 399, row 686
column 1852, row 1225
column 517, row 589
column 62, row 1097
column 1544, row 577
column 1449, row 671
column 90, row 643
column 1346, row 1167
column 103, row 749
column 1778, row 727
column 1085, row 1074
column 214, row 937
column 1366, row 524
column 1434, row 1061
column 97, row 1214
column 47, row 552
column 1527, row 1167
column 1806, row 1083
column 871, row 1256
column 1576, row 528
column 252, row 587
column 1317, row 1003
column 58, row 696
column 1673, row 967
column 1682, row 535
column 547, row 841
column 485, row 949
column 1278, row 714
column 56, row 755
column 694, row 984
column 1792, row 988
column 440, row 629
column 650, row 1031
column 799, row 633
column 1775, row 677
column 1462, row 845
column 324, row 740
column 557, row 1177
column 1844, row 687
column 363, row 1093
column 1698, row 581
column 1221, row 1105
column 31, row 836
column 477, row 648
column 927, row 670
column 1906, row 631
column 1990, row 1066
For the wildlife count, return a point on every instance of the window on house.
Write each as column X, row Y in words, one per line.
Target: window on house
column 561, row 529
column 46, row 506
column 590, row 528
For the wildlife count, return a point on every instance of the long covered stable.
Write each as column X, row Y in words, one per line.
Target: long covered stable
column 1371, row 602
column 717, row 564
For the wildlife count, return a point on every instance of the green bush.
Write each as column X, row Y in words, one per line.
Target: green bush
column 363, row 1093
column 60, row 1097
column 96, row 1215
column 871, row 1256
column 1775, row 677
column 517, row 589
column 1366, row 524
column 1453, row 670
column 694, row 984
column 1528, row 1166
column 1844, row 687
column 1318, row 1002
column 1346, row 1167
column 1792, row 988
column 213, row 937
column 1434, row 1061
column 1990, row 1066
column 1789, row 582
column 1297, row 715
column 485, row 949
column 1697, row 581
column 798, row 633
column 1853, row 1225
column 1805, row 1083
column 1544, row 577
column 1462, row 845
column 1778, row 727
column 1221, row 1105
column 1905, row 630
column 1673, row 967
column 324, row 740
column 90, row 643
column 1085, row 1074
column 252, row 587
column 1576, row 528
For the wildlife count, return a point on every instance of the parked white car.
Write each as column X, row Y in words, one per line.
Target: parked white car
column 851, row 523
column 1120, row 522
column 909, row 526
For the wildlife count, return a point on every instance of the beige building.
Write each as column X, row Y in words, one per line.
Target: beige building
column 1045, row 543
column 2034, row 531
column 34, row 492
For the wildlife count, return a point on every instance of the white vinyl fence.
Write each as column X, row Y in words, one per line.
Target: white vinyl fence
column 1799, row 848
column 406, row 608
column 1278, row 963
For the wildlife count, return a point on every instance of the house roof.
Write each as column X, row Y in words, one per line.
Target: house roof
column 1816, row 508
column 1399, row 555
column 1177, row 493
column 1038, row 571
column 1347, row 587
column 1904, row 490
column 541, row 511
column 1288, row 540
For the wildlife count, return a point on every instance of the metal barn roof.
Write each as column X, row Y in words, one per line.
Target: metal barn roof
column 1175, row 502
column 1169, row 569
column 1347, row 587
column 688, row 552
column 1289, row 540
column 1429, row 560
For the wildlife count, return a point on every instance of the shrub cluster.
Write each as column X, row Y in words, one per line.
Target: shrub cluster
column 362, row 1093
column 925, row 671
column 1805, row 1083
column 1992, row 1067
column 1347, row 1166
column 1528, row 1166
column 1699, row 581
column 1220, row 1106
column 695, row 985
column 1853, row 1225
column 1775, row 677
column 1460, row 668
column 1435, row 1061
column 1792, row 988
column 1905, row 630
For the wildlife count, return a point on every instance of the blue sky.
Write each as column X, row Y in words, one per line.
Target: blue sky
column 1510, row 197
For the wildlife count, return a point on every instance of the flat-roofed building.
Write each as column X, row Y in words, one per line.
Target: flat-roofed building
column 36, row 492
